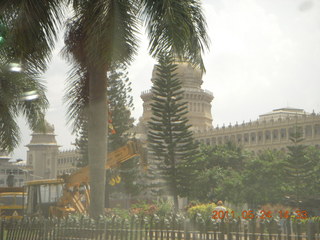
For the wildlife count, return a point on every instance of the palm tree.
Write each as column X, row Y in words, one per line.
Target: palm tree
column 23, row 94
column 99, row 33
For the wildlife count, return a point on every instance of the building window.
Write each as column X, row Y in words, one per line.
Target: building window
column 208, row 141
column 283, row 133
column 317, row 129
column 239, row 138
column 267, row 135
column 275, row 134
column 253, row 137
column 260, row 136
column 246, row 138
column 30, row 159
column 291, row 131
column 308, row 131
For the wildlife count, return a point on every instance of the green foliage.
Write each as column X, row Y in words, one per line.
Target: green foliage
column 216, row 173
column 263, row 179
column 272, row 177
column 170, row 140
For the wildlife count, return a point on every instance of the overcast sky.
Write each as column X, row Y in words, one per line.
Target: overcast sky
column 264, row 55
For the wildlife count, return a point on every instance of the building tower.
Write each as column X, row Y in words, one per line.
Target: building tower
column 199, row 100
column 42, row 154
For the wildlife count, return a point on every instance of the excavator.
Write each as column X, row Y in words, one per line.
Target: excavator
column 71, row 193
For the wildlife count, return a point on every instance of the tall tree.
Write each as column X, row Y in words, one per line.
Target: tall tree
column 298, row 169
column 102, row 32
column 169, row 136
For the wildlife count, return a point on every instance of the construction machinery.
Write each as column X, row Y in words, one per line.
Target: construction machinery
column 71, row 193
column 11, row 202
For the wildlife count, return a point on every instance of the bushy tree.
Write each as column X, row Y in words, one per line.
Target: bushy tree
column 170, row 140
column 263, row 179
column 216, row 172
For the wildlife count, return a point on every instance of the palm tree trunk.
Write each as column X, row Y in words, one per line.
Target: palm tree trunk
column 97, row 139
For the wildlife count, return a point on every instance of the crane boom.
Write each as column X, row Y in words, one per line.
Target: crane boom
column 116, row 157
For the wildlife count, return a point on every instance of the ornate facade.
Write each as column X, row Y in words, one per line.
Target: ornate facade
column 270, row 131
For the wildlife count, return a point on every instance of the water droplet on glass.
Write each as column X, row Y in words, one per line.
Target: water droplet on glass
column 29, row 96
column 15, row 67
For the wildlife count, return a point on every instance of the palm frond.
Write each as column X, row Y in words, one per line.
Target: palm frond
column 33, row 27
column 176, row 26
column 110, row 29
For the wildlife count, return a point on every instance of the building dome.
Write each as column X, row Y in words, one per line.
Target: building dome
column 190, row 76
column 198, row 100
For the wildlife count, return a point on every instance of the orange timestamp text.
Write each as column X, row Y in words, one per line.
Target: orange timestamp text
column 261, row 214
